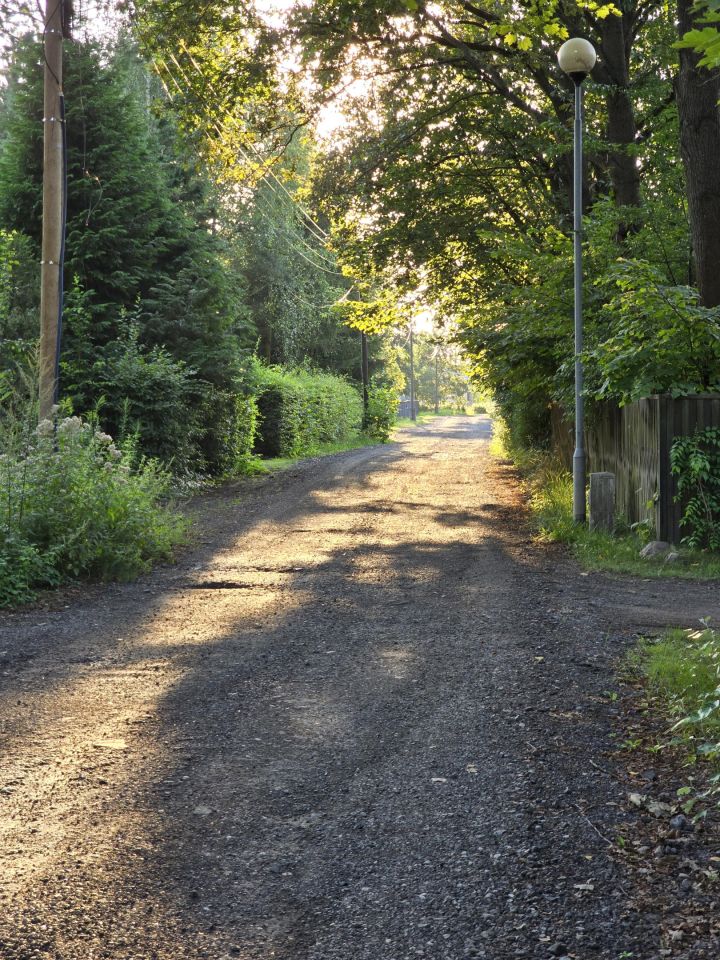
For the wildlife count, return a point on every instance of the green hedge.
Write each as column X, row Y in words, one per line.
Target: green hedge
column 381, row 412
column 232, row 420
column 300, row 411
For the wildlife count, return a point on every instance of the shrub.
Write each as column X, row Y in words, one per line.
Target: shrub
column 654, row 338
column 21, row 567
column 71, row 505
column 232, row 420
column 381, row 412
column 682, row 670
column 19, row 291
column 695, row 461
column 148, row 393
column 300, row 411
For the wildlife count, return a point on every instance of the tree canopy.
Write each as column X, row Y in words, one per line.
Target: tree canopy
column 445, row 184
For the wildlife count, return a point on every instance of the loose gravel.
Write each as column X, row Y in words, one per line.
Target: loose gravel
column 364, row 717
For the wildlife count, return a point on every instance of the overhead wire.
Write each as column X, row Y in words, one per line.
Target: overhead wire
column 264, row 179
column 266, row 212
column 332, row 269
column 322, row 233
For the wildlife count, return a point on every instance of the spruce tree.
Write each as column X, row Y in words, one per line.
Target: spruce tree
column 140, row 254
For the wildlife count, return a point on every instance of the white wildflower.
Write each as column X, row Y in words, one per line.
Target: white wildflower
column 45, row 428
column 70, row 427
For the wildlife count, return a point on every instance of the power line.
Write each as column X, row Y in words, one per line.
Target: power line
column 233, row 145
column 321, row 235
column 258, row 198
column 262, row 202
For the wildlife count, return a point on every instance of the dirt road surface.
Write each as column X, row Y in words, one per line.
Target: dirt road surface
column 365, row 717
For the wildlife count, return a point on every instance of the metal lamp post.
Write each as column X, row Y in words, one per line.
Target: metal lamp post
column 577, row 58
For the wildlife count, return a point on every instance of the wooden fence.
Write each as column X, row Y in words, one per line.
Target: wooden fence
column 634, row 442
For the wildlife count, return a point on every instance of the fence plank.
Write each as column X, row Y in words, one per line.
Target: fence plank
column 634, row 443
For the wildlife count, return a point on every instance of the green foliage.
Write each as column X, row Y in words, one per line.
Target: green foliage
column 223, row 58
column 695, row 461
column 684, row 667
column 72, row 505
column 235, row 418
column 147, row 394
column 141, row 247
column 705, row 38
column 18, row 290
column 23, row 567
column 658, row 338
column 381, row 412
column 301, row 410
column 292, row 281
column 682, row 673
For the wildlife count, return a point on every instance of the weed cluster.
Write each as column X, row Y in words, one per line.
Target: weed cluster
column 682, row 671
column 73, row 504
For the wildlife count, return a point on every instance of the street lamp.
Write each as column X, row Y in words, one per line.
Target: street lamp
column 577, row 58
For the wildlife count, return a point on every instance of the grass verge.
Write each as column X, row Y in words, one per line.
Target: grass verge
column 425, row 416
column 550, row 497
column 321, row 450
column 681, row 675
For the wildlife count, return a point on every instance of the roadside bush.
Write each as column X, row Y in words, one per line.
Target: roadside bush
column 230, row 439
column 72, row 506
column 654, row 338
column 22, row 566
column 300, row 411
column 149, row 394
column 381, row 412
column 695, row 461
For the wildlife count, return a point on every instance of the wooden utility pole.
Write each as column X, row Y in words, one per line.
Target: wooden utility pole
column 52, row 213
column 365, row 371
column 413, row 415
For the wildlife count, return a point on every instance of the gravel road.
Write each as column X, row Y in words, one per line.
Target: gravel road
column 364, row 717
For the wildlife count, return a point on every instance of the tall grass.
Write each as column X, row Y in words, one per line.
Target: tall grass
column 681, row 671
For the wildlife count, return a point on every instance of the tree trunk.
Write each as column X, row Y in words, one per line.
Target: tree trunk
column 621, row 130
column 698, row 91
column 614, row 70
